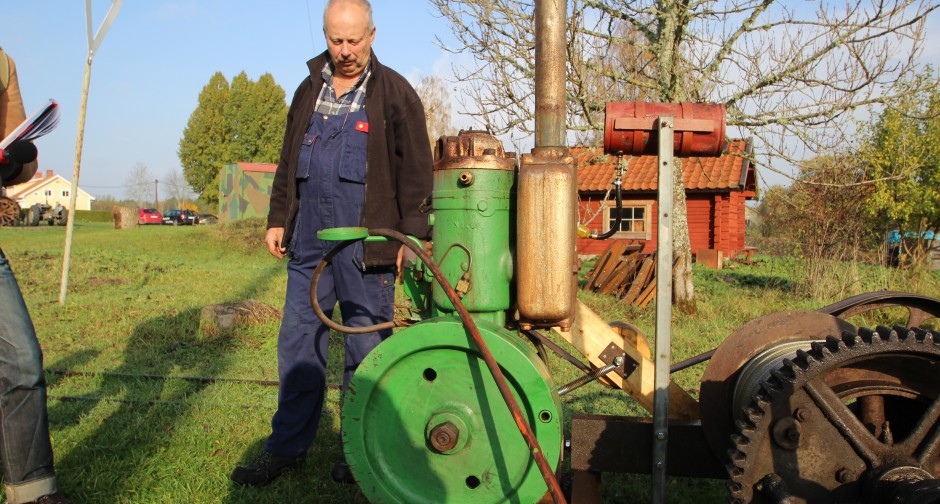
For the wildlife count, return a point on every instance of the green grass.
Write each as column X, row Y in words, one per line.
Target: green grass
column 133, row 309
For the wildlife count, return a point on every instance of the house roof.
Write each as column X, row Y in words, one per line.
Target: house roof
column 38, row 182
column 257, row 167
column 731, row 171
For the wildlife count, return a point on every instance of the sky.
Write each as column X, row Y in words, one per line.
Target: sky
column 158, row 55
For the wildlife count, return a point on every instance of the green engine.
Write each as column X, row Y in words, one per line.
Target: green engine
column 423, row 420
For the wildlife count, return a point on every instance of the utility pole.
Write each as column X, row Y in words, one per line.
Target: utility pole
column 156, row 194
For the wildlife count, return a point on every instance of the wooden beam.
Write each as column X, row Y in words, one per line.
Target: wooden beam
column 590, row 334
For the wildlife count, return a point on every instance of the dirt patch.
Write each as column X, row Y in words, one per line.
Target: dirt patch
column 223, row 318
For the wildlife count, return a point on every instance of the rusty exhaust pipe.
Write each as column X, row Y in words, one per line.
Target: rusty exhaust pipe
column 550, row 67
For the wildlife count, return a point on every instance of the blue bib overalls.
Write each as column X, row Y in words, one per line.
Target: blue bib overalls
column 331, row 175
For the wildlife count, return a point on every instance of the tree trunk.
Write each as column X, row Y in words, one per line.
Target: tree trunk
column 683, row 287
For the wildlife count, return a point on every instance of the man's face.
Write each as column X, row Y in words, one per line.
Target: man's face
column 348, row 38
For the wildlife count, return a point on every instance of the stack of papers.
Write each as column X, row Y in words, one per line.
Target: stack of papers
column 41, row 122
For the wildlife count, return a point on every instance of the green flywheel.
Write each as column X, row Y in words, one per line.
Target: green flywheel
column 423, row 420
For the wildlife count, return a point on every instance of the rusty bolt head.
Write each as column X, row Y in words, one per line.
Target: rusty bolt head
column 801, row 414
column 787, row 433
column 444, row 437
column 845, row 475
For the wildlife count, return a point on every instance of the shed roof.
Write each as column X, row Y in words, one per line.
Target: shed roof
column 257, row 167
column 731, row 171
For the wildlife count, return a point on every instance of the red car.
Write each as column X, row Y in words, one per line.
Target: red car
column 149, row 216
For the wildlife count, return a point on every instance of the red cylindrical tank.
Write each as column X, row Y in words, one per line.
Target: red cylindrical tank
column 699, row 128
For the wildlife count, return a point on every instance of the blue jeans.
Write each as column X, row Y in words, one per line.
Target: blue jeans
column 24, row 427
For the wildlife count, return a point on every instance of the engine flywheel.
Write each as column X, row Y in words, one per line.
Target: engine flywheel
column 424, row 422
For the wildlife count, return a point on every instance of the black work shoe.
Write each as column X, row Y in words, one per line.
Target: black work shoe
column 342, row 474
column 264, row 469
column 55, row 498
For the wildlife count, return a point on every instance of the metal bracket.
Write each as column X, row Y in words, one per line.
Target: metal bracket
column 612, row 352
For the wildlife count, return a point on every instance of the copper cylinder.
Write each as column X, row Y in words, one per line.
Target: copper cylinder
column 546, row 258
column 699, row 128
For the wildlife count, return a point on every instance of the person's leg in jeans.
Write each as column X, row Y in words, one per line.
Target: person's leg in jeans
column 24, row 428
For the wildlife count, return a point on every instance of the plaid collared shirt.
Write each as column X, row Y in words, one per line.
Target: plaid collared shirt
column 351, row 101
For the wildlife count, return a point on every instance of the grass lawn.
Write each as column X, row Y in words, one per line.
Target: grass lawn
column 121, row 434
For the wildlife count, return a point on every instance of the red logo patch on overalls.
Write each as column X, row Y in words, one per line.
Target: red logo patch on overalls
column 362, row 126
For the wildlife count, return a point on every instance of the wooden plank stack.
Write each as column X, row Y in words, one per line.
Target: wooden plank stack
column 622, row 270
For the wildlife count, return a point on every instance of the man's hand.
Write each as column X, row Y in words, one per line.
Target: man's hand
column 273, row 240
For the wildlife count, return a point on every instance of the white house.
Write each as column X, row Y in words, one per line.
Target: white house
column 49, row 189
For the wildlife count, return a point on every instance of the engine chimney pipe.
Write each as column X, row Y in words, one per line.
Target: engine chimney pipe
column 550, row 75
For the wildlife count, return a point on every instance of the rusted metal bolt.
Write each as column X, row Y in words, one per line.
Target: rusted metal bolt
column 845, row 475
column 801, row 414
column 793, row 434
column 444, row 437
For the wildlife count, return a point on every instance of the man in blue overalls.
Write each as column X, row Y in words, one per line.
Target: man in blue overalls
column 355, row 153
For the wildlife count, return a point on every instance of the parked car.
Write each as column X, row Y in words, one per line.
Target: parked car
column 149, row 216
column 208, row 219
column 177, row 217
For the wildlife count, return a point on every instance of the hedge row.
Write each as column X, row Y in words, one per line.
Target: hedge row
column 93, row 216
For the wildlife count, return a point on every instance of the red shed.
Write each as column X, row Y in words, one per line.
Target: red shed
column 715, row 189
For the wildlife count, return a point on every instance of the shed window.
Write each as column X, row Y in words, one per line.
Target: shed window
column 635, row 224
column 65, row 193
column 48, row 192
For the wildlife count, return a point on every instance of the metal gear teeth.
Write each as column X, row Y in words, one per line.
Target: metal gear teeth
column 754, row 414
column 737, row 459
column 904, row 333
column 790, row 368
column 802, row 367
column 834, row 344
column 889, row 334
column 739, row 441
column 770, row 387
column 745, row 428
column 802, row 359
column 925, row 336
column 850, row 339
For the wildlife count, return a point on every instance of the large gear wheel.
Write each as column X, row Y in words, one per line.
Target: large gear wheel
column 854, row 419
column 9, row 212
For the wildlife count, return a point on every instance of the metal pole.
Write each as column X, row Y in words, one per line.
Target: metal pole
column 665, row 128
column 550, row 58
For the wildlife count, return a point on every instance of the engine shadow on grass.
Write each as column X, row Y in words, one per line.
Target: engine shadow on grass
column 120, row 456
column 130, row 451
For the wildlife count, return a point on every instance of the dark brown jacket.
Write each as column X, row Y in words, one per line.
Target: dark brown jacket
column 398, row 173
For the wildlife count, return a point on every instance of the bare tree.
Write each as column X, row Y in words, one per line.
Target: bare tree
column 436, row 100
column 139, row 185
column 177, row 189
column 790, row 74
